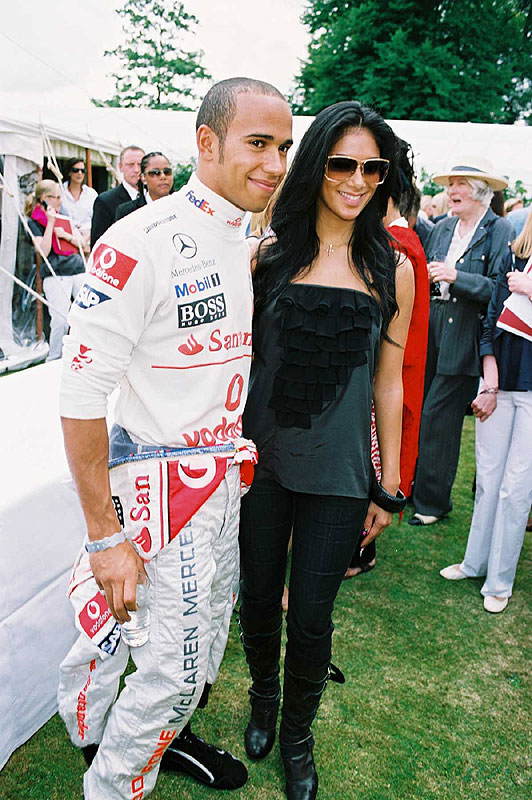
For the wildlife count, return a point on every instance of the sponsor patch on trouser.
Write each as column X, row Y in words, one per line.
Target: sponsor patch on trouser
column 155, row 493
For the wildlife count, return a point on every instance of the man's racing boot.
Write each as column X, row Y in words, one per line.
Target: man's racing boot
column 210, row 765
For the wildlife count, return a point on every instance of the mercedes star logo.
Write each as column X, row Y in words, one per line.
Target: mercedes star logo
column 185, row 245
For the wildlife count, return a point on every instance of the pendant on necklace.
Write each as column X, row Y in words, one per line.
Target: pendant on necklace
column 330, row 249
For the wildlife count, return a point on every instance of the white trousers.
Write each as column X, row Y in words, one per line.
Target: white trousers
column 59, row 292
column 191, row 595
column 504, row 493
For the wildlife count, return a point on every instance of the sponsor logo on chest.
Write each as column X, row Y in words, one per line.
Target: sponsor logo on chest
column 199, row 285
column 201, row 312
column 201, row 204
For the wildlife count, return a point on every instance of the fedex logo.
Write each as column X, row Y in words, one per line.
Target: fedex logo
column 111, row 266
column 209, row 282
column 94, row 615
column 201, row 204
column 88, row 297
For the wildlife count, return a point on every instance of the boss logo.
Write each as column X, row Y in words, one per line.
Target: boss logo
column 201, row 312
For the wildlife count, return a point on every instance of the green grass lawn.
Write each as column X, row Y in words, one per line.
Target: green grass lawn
column 437, row 701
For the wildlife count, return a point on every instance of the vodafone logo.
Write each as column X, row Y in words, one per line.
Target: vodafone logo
column 197, row 473
column 93, row 609
column 111, row 266
column 94, row 614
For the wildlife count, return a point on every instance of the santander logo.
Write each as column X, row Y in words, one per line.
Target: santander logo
column 144, row 540
column 191, row 347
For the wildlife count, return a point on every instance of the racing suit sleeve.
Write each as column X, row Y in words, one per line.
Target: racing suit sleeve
column 107, row 319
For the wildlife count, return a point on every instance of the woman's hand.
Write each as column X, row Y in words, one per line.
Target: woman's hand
column 376, row 521
column 484, row 405
column 439, row 271
column 51, row 215
column 519, row 283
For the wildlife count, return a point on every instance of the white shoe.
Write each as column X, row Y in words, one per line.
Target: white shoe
column 453, row 572
column 495, row 604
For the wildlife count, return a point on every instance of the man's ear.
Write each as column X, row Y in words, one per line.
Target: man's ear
column 208, row 143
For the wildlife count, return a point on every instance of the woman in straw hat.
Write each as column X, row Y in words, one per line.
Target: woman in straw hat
column 503, row 408
column 464, row 254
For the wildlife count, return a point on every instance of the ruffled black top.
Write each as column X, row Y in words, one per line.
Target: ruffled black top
column 323, row 336
column 309, row 405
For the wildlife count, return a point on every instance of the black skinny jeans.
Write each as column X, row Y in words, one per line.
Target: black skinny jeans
column 325, row 531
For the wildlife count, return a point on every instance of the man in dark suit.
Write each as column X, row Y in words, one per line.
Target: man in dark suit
column 105, row 205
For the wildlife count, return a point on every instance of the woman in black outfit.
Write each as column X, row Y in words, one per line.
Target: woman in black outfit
column 332, row 308
column 156, row 180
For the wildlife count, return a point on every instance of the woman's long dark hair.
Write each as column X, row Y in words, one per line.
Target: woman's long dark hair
column 296, row 244
column 404, row 191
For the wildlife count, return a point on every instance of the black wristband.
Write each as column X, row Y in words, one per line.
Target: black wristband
column 387, row 501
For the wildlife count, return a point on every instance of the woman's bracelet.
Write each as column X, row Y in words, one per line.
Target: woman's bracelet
column 387, row 501
column 490, row 390
column 105, row 543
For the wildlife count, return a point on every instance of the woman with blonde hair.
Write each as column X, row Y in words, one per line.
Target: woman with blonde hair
column 61, row 249
column 503, row 408
column 439, row 206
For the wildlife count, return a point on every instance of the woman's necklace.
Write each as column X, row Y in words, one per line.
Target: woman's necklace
column 332, row 247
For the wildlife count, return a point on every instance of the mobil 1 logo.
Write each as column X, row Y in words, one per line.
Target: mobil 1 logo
column 200, row 312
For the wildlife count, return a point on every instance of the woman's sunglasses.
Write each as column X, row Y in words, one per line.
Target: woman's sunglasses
column 78, row 169
column 341, row 168
column 154, row 173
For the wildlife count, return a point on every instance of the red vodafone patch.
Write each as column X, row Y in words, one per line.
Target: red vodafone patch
column 190, row 484
column 111, row 266
column 94, row 614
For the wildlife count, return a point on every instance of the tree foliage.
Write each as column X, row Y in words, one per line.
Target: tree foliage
column 155, row 72
column 454, row 60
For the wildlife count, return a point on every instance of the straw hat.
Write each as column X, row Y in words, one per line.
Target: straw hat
column 473, row 167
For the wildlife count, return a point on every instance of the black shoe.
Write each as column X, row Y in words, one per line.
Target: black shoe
column 89, row 753
column 301, row 775
column 210, row 765
column 260, row 732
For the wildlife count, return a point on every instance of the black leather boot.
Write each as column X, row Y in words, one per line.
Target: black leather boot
column 300, row 771
column 302, row 690
column 262, row 644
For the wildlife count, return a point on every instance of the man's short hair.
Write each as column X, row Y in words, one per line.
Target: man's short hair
column 129, row 147
column 218, row 108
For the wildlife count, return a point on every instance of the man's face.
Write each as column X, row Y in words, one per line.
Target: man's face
column 253, row 160
column 129, row 166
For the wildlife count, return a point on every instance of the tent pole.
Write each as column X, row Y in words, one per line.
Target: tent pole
column 38, row 305
column 88, row 165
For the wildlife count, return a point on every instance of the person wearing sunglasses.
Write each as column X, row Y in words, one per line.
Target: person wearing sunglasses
column 332, row 309
column 78, row 198
column 156, row 181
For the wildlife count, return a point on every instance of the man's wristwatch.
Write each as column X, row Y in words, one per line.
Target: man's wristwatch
column 106, row 543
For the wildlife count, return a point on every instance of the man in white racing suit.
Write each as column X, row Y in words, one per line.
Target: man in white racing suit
column 165, row 313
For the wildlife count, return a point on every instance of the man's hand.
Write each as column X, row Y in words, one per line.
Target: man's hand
column 484, row 405
column 115, row 571
column 377, row 519
column 439, row 271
